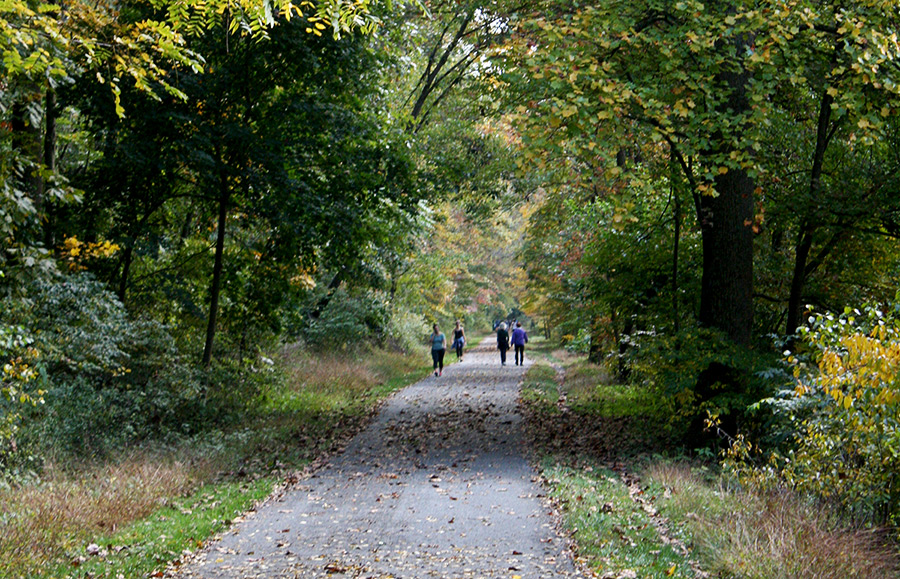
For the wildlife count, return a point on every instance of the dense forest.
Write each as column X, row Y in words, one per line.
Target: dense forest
column 702, row 198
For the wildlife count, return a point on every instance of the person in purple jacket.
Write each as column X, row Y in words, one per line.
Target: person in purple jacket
column 519, row 339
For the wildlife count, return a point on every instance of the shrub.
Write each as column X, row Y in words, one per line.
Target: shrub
column 697, row 372
column 406, row 329
column 21, row 387
column 113, row 380
column 842, row 416
column 348, row 321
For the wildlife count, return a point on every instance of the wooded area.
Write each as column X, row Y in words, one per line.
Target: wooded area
column 701, row 197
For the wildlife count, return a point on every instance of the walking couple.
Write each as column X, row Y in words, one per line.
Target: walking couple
column 518, row 340
column 439, row 346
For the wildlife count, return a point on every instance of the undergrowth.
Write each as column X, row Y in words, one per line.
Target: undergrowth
column 134, row 515
column 632, row 512
column 759, row 536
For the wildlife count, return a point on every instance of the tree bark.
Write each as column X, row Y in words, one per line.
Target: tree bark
column 676, row 241
column 127, row 257
column 726, row 295
column 805, row 236
column 726, row 219
column 216, row 285
column 336, row 281
column 595, row 350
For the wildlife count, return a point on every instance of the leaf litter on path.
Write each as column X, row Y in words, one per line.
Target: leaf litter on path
column 437, row 486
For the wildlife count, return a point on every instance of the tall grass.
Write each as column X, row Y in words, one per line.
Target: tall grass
column 54, row 519
column 751, row 536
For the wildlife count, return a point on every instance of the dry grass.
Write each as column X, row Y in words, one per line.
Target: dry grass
column 325, row 399
column 739, row 534
column 326, row 381
column 55, row 518
column 328, row 373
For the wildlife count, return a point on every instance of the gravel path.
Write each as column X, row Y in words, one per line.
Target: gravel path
column 437, row 486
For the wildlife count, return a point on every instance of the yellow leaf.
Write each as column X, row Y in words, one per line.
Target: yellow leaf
column 671, row 570
column 832, row 91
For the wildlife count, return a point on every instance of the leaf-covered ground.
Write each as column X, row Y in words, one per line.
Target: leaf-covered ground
column 438, row 486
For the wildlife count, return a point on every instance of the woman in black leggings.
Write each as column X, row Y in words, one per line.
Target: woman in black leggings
column 438, row 347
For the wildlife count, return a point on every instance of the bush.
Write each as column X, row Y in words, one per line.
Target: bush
column 699, row 372
column 348, row 321
column 113, row 380
column 406, row 330
column 22, row 384
column 842, row 416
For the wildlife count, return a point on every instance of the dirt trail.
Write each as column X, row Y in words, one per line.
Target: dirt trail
column 437, row 486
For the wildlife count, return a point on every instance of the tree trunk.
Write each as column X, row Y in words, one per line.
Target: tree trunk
column 623, row 371
column 127, row 257
column 805, row 237
column 726, row 294
column 595, row 350
column 51, row 113
column 216, row 284
column 26, row 140
column 676, row 242
column 324, row 301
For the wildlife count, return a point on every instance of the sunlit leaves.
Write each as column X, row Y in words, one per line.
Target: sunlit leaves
column 19, row 375
column 662, row 65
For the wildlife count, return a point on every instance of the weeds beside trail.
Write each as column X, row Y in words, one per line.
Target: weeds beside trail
column 634, row 514
column 143, row 512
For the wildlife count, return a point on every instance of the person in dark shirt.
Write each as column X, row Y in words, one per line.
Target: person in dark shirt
column 459, row 340
column 502, row 342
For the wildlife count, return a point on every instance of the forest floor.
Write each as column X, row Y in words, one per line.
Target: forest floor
column 439, row 485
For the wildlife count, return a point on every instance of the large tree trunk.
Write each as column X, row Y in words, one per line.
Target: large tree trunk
column 726, row 219
column 216, row 284
column 726, row 295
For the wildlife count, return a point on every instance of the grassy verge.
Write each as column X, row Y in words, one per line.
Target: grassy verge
column 147, row 510
column 616, row 535
column 755, row 536
column 633, row 513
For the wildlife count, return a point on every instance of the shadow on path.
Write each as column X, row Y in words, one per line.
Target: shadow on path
column 437, row 486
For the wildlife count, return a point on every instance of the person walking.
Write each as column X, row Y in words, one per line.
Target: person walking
column 438, row 347
column 519, row 339
column 502, row 342
column 459, row 340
